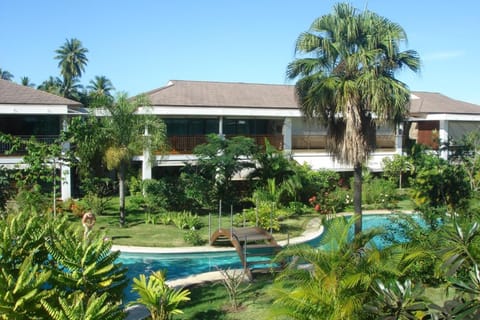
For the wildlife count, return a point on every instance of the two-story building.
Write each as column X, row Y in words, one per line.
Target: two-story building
column 193, row 109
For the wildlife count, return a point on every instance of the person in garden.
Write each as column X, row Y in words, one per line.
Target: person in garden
column 88, row 221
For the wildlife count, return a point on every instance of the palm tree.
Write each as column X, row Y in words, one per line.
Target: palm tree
column 101, row 86
column 72, row 58
column 346, row 81
column 52, row 85
column 5, row 75
column 340, row 277
column 128, row 134
column 25, row 81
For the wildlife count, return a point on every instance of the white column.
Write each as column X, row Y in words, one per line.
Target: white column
column 287, row 134
column 220, row 126
column 146, row 162
column 443, row 137
column 399, row 138
column 66, row 177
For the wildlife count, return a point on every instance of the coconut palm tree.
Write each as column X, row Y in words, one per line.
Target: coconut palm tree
column 5, row 75
column 52, row 85
column 72, row 58
column 100, row 86
column 346, row 80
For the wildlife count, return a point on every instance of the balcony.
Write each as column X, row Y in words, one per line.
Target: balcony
column 319, row 142
column 186, row 144
column 48, row 139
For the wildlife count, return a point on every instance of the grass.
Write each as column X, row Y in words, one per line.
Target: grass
column 210, row 302
column 137, row 233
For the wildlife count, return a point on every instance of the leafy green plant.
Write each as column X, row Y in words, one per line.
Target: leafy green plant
column 259, row 216
column 96, row 204
column 162, row 301
column 20, row 294
column 74, row 307
column 192, row 237
column 379, row 194
column 88, row 266
column 186, row 220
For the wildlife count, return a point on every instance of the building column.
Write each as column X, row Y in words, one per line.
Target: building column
column 65, row 174
column 146, row 161
column 220, row 126
column 399, row 138
column 287, row 134
column 443, row 139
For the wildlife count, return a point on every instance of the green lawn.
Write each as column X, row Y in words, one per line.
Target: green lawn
column 137, row 233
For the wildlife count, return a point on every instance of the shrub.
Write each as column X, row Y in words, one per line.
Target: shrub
column 186, row 220
column 265, row 217
column 193, row 238
column 96, row 204
column 380, row 193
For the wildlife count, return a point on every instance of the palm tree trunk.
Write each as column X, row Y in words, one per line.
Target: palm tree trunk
column 357, row 196
column 121, row 193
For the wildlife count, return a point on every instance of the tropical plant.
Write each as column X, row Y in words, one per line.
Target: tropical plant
column 340, row 274
column 20, row 294
column 126, row 134
column 346, row 79
column 162, row 301
column 399, row 301
column 51, row 85
column 101, row 86
column 5, row 75
column 73, row 307
column 396, row 168
column 219, row 159
column 72, row 58
column 88, row 266
column 25, row 81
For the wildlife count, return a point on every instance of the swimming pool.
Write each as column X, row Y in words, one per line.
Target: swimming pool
column 180, row 265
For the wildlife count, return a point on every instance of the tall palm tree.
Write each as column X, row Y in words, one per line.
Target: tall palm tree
column 5, row 75
column 128, row 134
column 346, row 80
column 72, row 58
column 100, row 86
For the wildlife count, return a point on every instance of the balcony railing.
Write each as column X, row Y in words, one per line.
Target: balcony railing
column 48, row 139
column 312, row 142
column 186, row 144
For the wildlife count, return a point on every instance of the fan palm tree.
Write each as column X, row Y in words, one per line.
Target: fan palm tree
column 101, row 86
column 5, row 75
column 346, row 80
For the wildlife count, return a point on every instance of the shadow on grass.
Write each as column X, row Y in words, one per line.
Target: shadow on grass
column 209, row 315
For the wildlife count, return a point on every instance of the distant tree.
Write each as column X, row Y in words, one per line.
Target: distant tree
column 100, row 86
column 25, row 81
column 51, row 85
column 72, row 61
column 5, row 75
column 346, row 79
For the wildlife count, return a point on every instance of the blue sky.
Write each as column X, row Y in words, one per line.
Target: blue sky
column 140, row 45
